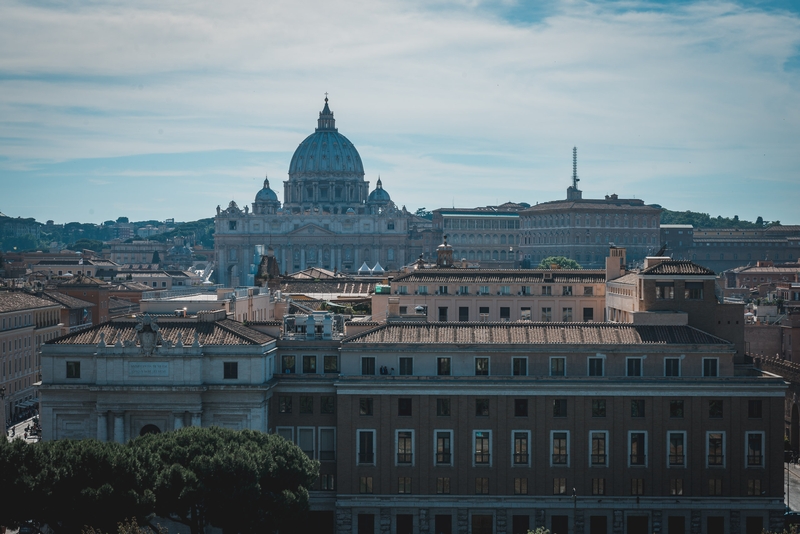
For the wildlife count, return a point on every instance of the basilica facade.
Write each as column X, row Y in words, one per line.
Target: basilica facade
column 328, row 217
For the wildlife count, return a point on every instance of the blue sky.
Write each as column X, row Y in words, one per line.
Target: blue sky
column 153, row 110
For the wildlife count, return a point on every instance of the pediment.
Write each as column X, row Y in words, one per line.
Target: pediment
column 311, row 230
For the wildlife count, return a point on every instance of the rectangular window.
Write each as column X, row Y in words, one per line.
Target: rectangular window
column 284, row 404
column 444, row 453
column 598, row 486
column 715, row 445
column 287, row 364
column 526, row 290
column 481, row 486
column 559, row 407
column 505, row 290
column 676, row 409
column 637, row 486
column 326, row 483
column 588, row 314
column 547, row 290
column 482, row 407
column 505, row 313
column 665, row 290
column 755, row 449
column 422, row 290
column 675, row 487
column 677, row 447
column 754, row 487
column 443, row 407
column 598, row 407
column 520, row 407
column 305, row 440
column 693, row 291
column 306, row 404
column 286, row 432
column 715, row 409
column 331, row 364
column 230, row 370
column 595, row 366
column 481, row 366
column 443, row 485
column 482, row 447
column 365, row 486
column 566, row 291
column 710, row 366
column 73, row 369
column 309, row 364
column 599, row 440
column 560, row 487
column 407, row 366
column 519, row 366
column 442, row 313
column 566, row 315
column 637, row 448
column 525, row 313
column 637, row 408
column 463, row 314
column 463, row 290
column 443, row 290
column 559, row 448
column 754, row 409
column 327, row 444
column 443, row 366
column 672, row 367
column 404, row 407
column 483, row 290
column 403, row 310
column 327, row 404
column 520, row 453
column 547, row 314
column 366, row 447
column 634, row 366
column 402, row 290
column 588, row 291
column 365, row 406
column 715, row 486
column 405, row 447
column 368, row 366
column 558, row 366
column 520, row 486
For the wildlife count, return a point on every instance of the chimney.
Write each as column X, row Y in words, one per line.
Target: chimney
column 394, row 307
column 615, row 263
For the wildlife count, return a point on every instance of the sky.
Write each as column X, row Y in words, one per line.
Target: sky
column 166, row 109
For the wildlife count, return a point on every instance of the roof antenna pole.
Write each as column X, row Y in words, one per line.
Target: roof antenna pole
column 575, row 178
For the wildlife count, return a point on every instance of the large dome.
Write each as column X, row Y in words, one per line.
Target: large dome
column 326, row 153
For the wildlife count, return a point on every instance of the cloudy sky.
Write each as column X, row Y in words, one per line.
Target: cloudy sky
column 155, row 109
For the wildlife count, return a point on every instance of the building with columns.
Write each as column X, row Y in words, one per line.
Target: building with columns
column 328, row 217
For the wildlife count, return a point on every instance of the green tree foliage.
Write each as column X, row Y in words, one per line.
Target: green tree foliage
column 156, row 257
column 561, row 261
column 91, row 244
column 200, row 231
column 425, row 214
column 704, row 220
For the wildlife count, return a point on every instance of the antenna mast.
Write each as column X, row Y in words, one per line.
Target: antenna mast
column 575, row 178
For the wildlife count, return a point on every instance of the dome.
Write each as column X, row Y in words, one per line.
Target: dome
column 326, row 153
column 266, row 194
column 379, row 194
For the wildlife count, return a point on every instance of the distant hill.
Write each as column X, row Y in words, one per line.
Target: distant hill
column 704, row 220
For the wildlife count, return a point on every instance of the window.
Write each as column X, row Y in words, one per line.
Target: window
column 588, row 314
column 443, row 407
column 588, row 291
column 547, row 314
column 331, row 364
column 306, row 404
column 598, row 486
column 520, row 452
column 481, row 366
column 483, row 290
column 443, row 485
column 443, row 313
column 675, row 488
column 715, row 445
column 443, row 290
column 443, row 366
column 599, row 456
column 693, row 291
column 672, row 367
column 406, row 366
column 368, row 366
column 710, row 366
column 677, row 446
column 73, row 369
column 598, row 407
column 520, row 407
column 232, row 226
column 755, row 449
column 365, row 486
column 637, row 486
column 505, row 290
column 284, row 404
column 366, row 447
column 365, row 406
column 482, row 407
column 559, row 448
column 560, row 487
column 634, row 366
column 505, row 313
column 444, row 453
column 520, row 486
column 230, row 370
column 547, row 290
column 595, row 366
column 566, row 315
column 287, row 364
column 309, row 364
column 519, row 366
column 637, row 407
column 566, row 291
column 305, row 440
column 754, row 409
column 559, row 407
column 326, row 483
column 526, row 290
column 637, row 447
column 463, row 290
column 422, row 290
column 286, row 432
column 402, row 290
column 665, row 290
column 404, row 407
column 327, row 444
column 405, row 447
column 481, row 486
column 754, row 487
column 558, row 366
column 715, row 486
column 463, row 314
column 715, row 409
column 482, row 447
column 676, row 409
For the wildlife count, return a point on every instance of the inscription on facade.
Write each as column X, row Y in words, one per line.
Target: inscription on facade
column 148, row 369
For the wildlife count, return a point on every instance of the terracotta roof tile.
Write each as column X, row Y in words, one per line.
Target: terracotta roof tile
column 68, row 302
column 17, row 301
column 497, row 276
column 678, row 267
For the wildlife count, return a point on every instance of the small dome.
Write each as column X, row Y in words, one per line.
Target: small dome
column 266, row 194
column 379, row 194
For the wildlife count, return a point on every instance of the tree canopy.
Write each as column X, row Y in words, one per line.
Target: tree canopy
column 561, row 261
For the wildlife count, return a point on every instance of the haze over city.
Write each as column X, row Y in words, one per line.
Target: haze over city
column 153, row 110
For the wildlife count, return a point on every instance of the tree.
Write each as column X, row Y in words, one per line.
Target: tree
column 425, row 214
column 561, row 261
column 156, row 257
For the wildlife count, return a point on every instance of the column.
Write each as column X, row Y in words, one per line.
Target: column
column 385, row 522
column 178, row 420
column 102, row 426
column 302, row 258
column 119, row 427
column 196, row 419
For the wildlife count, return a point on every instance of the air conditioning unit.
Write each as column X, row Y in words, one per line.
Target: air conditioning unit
column 415, row 292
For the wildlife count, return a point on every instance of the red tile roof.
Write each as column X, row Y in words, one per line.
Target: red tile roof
column 18, row 301
column 678, row 267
